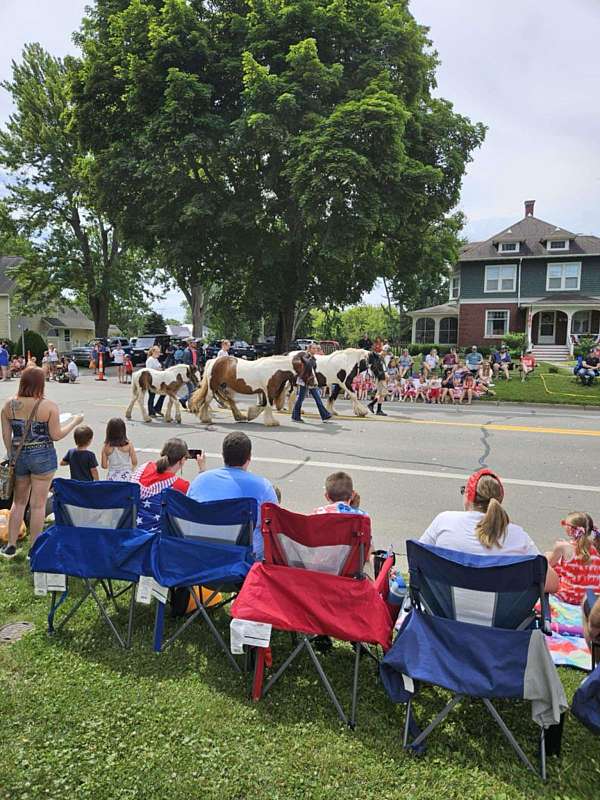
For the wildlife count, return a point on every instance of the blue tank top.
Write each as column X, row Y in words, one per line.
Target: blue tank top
column 39, row 433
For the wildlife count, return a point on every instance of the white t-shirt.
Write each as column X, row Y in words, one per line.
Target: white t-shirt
column 72, row 368
column 455, row 530
column 118, row 355
column 52, row 356
column 153, row 363
column 222, row 353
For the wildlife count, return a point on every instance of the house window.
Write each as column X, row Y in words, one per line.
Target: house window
column 509, row 247
column 496, row 323
column 563, row 277
column 501, row 278
column 455, row 287
column 53, row 332
column 558, row 244
column 67, row 335
column 581, row 322
column 424, row 330
column 448, row 330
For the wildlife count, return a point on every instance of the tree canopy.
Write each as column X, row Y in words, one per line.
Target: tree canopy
column 72, row 251
column 287, row 152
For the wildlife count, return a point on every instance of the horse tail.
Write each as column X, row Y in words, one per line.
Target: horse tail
column 200, row 397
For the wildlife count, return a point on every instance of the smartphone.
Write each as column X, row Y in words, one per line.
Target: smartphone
column 194, row 453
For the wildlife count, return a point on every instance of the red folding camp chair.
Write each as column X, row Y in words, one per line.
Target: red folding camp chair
column 312, row 583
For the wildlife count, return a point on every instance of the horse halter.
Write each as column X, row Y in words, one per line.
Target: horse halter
column 471, row 487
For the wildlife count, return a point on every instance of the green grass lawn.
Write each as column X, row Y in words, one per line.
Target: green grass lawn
column 545, row 387
column 83, row 719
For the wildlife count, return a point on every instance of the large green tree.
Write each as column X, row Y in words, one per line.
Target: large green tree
column 74, row 252
column 287, row 152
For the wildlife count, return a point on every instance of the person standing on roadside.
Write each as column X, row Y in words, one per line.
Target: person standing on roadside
column 118, row 357
column 52, row 361
column 190, row 359
column 30, row 426
column 365, row 343
column 4, row 359
column 152, row 362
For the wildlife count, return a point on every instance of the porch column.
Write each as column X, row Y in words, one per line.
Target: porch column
column 569, row 337
column 414, row 330
column 436, row 330
column 529, row 327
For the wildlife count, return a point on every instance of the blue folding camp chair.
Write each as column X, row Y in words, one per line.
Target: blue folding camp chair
column 88, row 506
column 207, row 544
column 473, row 630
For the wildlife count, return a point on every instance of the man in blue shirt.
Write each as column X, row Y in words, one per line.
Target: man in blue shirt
column 474, row 359
column 4, row 356
column 233, row 481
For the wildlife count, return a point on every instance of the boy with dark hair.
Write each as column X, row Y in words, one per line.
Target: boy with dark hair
column 339, row 491
column 82, row 463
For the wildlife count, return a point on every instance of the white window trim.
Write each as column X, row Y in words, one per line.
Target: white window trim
column 499, row 290
column 511, row 250
column 452, row 295
column 589, row 321
column 563, row 288
column 551, row 249
column 488, row 311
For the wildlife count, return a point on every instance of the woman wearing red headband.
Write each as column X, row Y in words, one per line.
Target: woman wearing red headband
column 483, row 528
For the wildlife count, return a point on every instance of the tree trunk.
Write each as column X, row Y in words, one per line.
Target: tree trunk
column 199, row 302
column 99, row 305
column 285, row 329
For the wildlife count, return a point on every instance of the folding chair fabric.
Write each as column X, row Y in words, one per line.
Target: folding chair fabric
column 586, row 701
column 97, row 504
column 230, row 522
column 470, row 631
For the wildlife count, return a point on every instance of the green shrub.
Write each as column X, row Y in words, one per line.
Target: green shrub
column 34, row 344
column 553, row 370
column 586, row 343
column 516, row 343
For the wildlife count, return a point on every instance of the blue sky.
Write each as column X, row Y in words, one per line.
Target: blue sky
column 529, row 69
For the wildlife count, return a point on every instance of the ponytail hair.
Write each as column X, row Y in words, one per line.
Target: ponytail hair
column 491, row 530
column 583, row 532
column 173, row 451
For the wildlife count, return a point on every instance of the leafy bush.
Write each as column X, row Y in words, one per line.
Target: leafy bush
column 34, row 344
column 586, row 343
column 553, row 370
column 516, row 343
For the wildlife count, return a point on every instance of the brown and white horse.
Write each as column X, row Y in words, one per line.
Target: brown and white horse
column 168, row 382
column 337, row 370
column 226, row 376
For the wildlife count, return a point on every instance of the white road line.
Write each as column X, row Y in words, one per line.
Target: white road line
column 416, row 473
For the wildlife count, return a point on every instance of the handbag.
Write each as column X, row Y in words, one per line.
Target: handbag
column 7, row 468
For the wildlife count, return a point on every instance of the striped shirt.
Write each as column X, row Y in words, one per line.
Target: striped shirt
column 576, row 577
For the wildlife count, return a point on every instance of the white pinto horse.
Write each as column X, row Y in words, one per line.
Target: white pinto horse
column 168, row 382
column 338, row 369
column 226, row 376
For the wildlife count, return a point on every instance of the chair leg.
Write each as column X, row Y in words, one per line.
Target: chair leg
column 510, row 738
column 71, row 611
column 407, row 723
column 543, row 754
column 326, row 683
column 133, row 588
column 295, row 652
column 436, row 720
column 259, row 673
column 107, row 619
column 357, row 655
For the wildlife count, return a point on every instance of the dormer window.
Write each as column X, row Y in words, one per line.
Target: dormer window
column 558, row 245
column 508, row 247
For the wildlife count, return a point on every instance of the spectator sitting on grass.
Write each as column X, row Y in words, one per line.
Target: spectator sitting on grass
column 528, row 364
column 589, row 368
column 502, row 362
column 430, row 363
column 474, row 359
column 405, row 361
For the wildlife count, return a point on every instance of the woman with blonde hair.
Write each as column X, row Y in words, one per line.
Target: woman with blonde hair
column 152, row 362
column 483, row 528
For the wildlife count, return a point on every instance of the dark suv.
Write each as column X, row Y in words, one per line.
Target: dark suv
column 83, row 355
column 139, row 352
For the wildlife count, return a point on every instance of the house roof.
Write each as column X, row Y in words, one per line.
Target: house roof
column 445, row 310
column 7, row 284
column 567, row 299
column 69, row 318
column 531, row 233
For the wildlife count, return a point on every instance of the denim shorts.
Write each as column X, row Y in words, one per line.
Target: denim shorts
column 36, row 460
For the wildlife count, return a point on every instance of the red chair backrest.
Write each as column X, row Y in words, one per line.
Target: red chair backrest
column 338, row 544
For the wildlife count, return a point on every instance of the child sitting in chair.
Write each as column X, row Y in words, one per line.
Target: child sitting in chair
column 340, row 495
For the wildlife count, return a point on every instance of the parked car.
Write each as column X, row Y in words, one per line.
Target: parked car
column 239, row 348
column 266, row 348
column 83, row 355
column 139, row 353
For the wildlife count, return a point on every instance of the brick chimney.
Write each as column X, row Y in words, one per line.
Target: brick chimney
column 529, row 204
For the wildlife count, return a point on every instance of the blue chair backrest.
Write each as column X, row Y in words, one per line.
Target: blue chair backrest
column 494, row 591
column 95, row 504
column 224, row 521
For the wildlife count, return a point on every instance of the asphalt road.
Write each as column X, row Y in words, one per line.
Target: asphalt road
column 407, row 467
